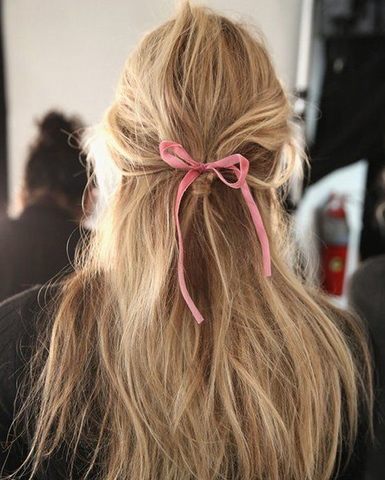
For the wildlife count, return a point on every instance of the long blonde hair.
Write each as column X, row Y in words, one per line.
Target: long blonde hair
column 271, row 384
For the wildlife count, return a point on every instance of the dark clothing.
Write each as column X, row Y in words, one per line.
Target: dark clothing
column 367, row 296
column 35, row 247
column 351, row 126
column 19, row 325
column 16, row 337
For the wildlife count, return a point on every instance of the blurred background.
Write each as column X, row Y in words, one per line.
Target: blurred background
column 67, row 56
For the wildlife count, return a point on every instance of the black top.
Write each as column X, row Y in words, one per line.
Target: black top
column 367, row 295
column 34, row 248
column 19, row 324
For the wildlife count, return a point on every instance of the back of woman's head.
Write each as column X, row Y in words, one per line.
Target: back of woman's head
column 268, row 385
column 53, row 166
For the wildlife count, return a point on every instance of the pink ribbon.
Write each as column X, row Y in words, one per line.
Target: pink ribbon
column 194, row 169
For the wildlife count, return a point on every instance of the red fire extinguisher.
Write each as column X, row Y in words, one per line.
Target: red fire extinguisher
column 335, row 241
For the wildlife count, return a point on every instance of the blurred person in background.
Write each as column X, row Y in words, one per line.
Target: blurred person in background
column 41, row 242
column 367, row 296
column 187, row 344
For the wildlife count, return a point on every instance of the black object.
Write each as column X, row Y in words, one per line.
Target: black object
column 35, row 248
column 367, row 295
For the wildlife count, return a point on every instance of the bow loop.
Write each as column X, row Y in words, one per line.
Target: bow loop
column 235, row 163
column 229, row 163
column 185, row 162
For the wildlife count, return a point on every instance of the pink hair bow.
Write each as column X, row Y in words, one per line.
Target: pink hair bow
column 194, row 169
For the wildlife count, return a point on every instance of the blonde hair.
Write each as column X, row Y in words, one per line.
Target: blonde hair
column 270, row 385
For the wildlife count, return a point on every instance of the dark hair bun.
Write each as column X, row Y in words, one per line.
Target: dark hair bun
column 53, row 162
column 55, row 128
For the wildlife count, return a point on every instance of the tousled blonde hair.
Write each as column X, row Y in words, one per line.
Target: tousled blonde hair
column 270, row 385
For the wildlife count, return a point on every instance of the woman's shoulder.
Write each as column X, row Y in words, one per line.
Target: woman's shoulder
column 18, row 314
column 15, row 303
column 367, row 292
column 20, row 318
column 371, row 271
column 369, row 279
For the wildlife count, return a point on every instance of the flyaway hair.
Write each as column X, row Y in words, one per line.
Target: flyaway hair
column 271, row 385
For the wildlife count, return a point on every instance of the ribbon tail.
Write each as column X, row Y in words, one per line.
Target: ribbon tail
column 260, row 229
column 183, row 186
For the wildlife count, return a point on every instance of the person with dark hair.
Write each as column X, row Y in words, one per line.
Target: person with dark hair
column 42, row 241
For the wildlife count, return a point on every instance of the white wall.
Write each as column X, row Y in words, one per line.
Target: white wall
column 69, row 54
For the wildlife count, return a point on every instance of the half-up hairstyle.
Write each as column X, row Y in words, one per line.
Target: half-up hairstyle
column 271, row 384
